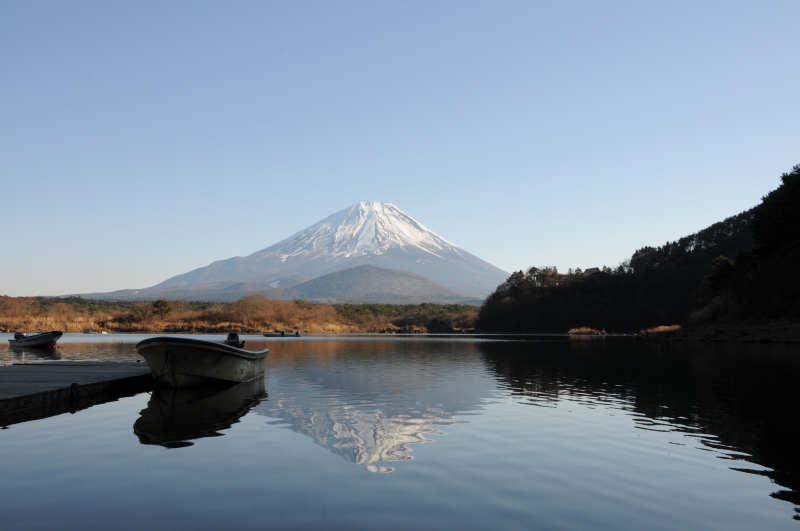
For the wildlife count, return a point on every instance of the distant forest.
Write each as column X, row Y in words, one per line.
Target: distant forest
column 744, row 268
column 252, row 313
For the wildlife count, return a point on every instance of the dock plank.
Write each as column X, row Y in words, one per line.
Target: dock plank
column 42, row 385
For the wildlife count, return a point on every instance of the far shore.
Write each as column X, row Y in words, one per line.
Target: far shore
column 257, row 315
column 765, row 332
column 787, row 333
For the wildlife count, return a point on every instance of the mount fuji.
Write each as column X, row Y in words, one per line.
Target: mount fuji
column 365, row 234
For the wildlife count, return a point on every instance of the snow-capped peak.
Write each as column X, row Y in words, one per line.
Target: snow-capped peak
column 367, row 233
column 365, row 228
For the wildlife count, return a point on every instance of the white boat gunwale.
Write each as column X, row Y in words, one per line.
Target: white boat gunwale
column 187, row 342
column 183, row 362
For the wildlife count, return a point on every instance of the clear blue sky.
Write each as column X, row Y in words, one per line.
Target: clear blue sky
column 140, row 140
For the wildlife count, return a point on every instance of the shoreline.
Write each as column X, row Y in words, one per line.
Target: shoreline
column 768, row 332
column 765, row 332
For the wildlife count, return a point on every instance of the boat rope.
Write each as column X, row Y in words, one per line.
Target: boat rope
column 73, row 396
column 167, row 363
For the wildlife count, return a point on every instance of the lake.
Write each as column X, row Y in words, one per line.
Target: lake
column 423, row 432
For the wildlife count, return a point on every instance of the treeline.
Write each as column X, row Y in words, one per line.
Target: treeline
column 430, row 317
column 253, row 313
column 93, row 306
column 746, row 261
column 762, row 285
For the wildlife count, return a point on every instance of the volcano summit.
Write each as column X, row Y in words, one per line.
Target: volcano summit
column 367, row 233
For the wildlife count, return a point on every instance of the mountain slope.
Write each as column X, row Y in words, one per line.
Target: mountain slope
column 368, row 233
column 360, row 284
column 368, row 283
column 229, row 291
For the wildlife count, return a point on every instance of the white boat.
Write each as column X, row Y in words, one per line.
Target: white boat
column 183, row 362
column 40, row 340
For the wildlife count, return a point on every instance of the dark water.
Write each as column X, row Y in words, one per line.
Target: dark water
column 426, row 432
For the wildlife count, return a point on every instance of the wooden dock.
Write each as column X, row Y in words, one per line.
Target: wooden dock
column 38, row 390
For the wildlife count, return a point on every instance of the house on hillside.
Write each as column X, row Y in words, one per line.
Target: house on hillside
column 591, row 271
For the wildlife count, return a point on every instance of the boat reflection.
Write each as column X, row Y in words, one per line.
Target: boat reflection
column 174, row 417
column 26, row 354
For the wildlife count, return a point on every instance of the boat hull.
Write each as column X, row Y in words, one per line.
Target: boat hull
column 43, row 340
column 181, row 362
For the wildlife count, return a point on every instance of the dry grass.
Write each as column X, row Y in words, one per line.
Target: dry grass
column 661, row 329
column 585, row 331
column 253, row 313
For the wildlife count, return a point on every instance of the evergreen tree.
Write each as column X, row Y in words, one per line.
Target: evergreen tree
column 162, row 307
column 776, row 224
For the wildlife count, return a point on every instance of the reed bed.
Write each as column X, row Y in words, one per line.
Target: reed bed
column 585, row 331
column 661, row 329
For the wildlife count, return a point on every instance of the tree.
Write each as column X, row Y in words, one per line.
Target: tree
column 714, row 285
column 776, row 223
column 61, row 310
column 162, row 308
column 303, row 305
column 19, row 306
column 251, row 307
column 142, row 311
column 181, row 306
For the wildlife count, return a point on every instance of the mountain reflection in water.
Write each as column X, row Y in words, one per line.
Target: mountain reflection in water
column 368, row 400
column 173, row 417
column 738, row 400
column 542, row 433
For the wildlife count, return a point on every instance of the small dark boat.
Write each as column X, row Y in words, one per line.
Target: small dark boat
column 281, row 334
column 40, row 340
column 183, row 362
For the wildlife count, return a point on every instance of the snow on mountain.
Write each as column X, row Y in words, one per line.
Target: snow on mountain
column 364, row 228
column 367, row 233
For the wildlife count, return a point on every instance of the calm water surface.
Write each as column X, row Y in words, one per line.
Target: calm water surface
column 425, row 432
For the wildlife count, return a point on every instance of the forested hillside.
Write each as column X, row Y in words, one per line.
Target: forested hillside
column 656, row 286
column 743, row 269
column 762, row 285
